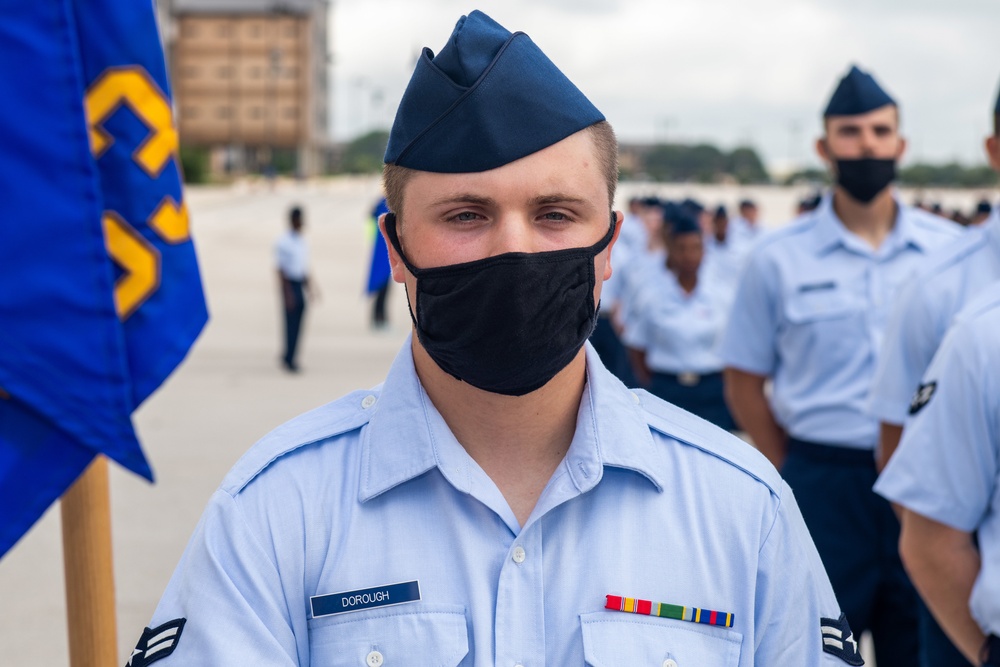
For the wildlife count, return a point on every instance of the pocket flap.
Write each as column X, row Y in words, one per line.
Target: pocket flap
column 434, row 635
column 816, row 305
column 615, row 640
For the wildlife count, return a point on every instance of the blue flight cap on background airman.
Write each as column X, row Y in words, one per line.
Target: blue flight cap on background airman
column 488, row 98
column 684, row 223
column 857, row 93
column 692, row 206
column 996, row 108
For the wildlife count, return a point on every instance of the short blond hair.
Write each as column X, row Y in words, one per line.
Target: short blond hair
column 395, row 178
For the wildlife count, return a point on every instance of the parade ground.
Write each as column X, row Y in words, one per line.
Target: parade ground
column 231, row 390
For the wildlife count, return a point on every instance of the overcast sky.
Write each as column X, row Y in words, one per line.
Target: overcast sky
column 731, row 72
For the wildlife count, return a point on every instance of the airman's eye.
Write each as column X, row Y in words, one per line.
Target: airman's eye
column 466, row 216
column 555, row 215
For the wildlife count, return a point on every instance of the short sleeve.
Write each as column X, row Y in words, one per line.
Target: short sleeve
column 795, row 603
column 946, row 467
column 749, row 339
column 229, row 593
column 910, row 341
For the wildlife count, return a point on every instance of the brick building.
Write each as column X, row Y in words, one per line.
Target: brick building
column 250, row 77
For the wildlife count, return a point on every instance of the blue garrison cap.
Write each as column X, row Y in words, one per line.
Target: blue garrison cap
column 720, row 211
column 692, row 206
column 488, row 98
column 857, row 93
column 684, row 223
column 996, row 108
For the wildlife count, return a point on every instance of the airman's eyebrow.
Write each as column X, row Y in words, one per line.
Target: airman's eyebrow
column 557, row 198
column 466, row 198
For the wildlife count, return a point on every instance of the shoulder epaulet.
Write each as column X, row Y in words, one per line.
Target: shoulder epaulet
column 688, row 429
column 794, row 227
column 341, row 416
column 982, row 304
column 953, row 252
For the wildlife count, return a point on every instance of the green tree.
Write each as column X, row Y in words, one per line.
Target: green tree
column 364, row 154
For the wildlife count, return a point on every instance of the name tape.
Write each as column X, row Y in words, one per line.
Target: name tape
column 365, row 598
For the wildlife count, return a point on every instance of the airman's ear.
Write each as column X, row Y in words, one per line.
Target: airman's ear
column 619, row 219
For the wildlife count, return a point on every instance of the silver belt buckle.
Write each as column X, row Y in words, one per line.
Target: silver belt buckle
column 688, row 379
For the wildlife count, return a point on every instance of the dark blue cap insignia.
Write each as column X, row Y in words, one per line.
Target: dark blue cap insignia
column 488, row 98
column 857, row 93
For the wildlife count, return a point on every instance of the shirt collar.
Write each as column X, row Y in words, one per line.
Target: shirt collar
column 831, row 233
column 406, row 436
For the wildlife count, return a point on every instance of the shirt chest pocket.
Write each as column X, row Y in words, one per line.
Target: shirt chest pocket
column 827, row 319
column 433, row 636
column 638, row 642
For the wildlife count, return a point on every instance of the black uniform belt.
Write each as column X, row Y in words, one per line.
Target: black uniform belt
column 828, row 453
column 690, row 379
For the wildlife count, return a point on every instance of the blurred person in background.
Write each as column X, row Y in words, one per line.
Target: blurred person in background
column 292, row 256
column 946, row 477
column 680, row 314
column 379, row 273
column 809, row 314
column 948, row 280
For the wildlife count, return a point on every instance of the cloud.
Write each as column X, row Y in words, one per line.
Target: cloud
column 730, row 71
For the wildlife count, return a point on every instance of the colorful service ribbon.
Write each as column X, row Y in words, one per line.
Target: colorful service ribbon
column 663, row 610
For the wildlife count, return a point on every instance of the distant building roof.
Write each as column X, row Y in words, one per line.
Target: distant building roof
column 244, row 6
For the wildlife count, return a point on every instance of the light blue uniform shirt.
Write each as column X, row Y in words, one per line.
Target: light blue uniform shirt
column 947, row 467
column 679, row 331
column 810, row 312
column 726, row 261
column 642, row 269
column 923, row 314
column 649, row 502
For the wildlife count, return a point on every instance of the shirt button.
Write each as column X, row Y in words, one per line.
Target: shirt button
column 635, row 397
column 518, row 557
column 374, row 658
column 367, row 401
column 518, row 665
column 669, row 662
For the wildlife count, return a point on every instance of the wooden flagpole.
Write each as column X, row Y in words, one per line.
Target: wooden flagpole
column 90, row 578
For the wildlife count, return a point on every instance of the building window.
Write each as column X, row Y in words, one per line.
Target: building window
column 255, row 72
column 256, row 112
column 224, row 112
column 224, row 30
column 291, row 30
column 291, row 72
column 188, row 29
column 225, row 72
column 189, row 112
column 190, row 72
column 255, row 30
column 291, row 112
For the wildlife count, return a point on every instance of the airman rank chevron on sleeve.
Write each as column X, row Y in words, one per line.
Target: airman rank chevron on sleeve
column 838, row 640
column 156, row 643
column 922, row 397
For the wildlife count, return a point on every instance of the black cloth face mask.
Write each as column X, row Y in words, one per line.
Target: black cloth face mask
column 505, row 324
column 865, row 178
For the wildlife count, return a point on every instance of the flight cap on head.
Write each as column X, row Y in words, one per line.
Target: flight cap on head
column 857, row 93
column 684, row 223
column 996, row 107
column 488, row 98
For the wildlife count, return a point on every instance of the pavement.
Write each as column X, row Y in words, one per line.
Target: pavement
column 231, row 390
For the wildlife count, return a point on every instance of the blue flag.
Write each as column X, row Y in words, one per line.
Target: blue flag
column 379, row 270
column 100, row 296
